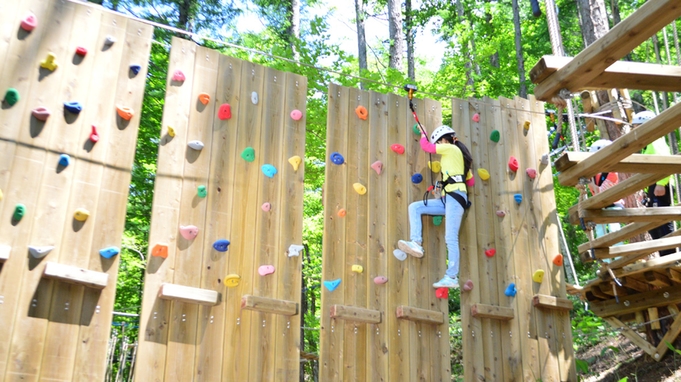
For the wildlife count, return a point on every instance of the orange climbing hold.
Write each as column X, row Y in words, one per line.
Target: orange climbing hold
column 160, row 250
column 558, row 260
column 125, row 112
column 342, row 212
column 204, row 98
column 362, row 112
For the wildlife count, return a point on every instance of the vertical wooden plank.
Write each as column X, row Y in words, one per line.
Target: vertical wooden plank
column 155, row 317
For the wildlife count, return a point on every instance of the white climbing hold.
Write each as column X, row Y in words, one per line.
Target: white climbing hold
column 110, row 40
column 196, row 145
column 400, row 254
column 294, row 250
column 39, row 252
column 254, row 98
column 545, row 159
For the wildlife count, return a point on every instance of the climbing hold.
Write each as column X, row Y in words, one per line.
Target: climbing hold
column 39, row 113
column 435, row 166
column 476, row 117
column 337, row 158
column 532, row 173
column 377, row 166
column 81, row 214
column 12, row 96
column 526, row 125
column 490, row 252
column 40, row 252
column 518, row 198
column 189, row 232
column 254, row 98
column 49, row 62
column 125, row 112
column 64, row 160
column 483, row 174
column 538, row 276
column 558, row 260
column 295, row 161
column 332, row 285
column 398, row 148
column 265, row 270
column 468, row 285
column 380, row 280
column 248, row 154
column 361, row 112
column 135, row 69
column 268, row 170
column 29, row 22
column 501, row 213
column 545, row 159
column 513, row 164
column 357, row 268
column 296, row 115
column 495, row 136
column 171, row 132
column 160, row 250
column 109, row 40
column 109, row 252
column 470, row 182
column 196, row 145
column 417, row 178
column 415, row 129
column 1, row 195
column 73, row 107
column 204, row 98
column 225, row 111
column 442, row 293
column 221, row 245
column 294, row 250
column 437, row 220
column 178, row 76
column 342, row 212
column 19, row 212
column 400, row 254
column 201, row 191
column 360, row 188
column 510, row 290
column 266, row 206
column 5, row 250
column 232, row 280
column 80, row 51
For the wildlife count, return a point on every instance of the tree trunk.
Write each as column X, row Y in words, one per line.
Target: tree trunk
column 361, row 37
column 494, row 58
column 396, row 36
column 409, row 33
column 185, row 7
column 294, row 26
column 519, row 50
column 468, row 48
column 594, row 20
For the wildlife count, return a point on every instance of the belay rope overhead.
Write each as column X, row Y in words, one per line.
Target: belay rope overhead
column 411, row 89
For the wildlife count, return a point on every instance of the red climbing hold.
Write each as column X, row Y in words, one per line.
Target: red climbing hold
column 490, row 252
column 513, row 164
column 442, row 292
column 476, row 117
column 81, row 51
column 225, row 111
column 29, row 22
column 532, row 173
column 398, row 148
column 178, row 76
column 94, row 137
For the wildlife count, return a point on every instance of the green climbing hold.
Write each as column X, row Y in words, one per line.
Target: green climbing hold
column 495, row 136
column 202, row 191
column 437, row 220
column 416, row 129
column 248, row 154
column 12, row 96
column 19, row 212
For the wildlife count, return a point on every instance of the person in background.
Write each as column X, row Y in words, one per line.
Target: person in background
column 601, row 182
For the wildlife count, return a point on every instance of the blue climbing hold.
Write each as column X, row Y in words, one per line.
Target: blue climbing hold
column 73, row 107
column 269, row 170
column 417, row 178
column 332, row 284
column 337, row 158
column 64, row 160
column 510, row 290
column 109, row 252
column 221, row 245
column 518, row 198
column 135, row 69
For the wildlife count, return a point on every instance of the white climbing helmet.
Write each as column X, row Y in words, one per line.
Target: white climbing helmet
column 599, row 144
column 440, row 132
column 642, row 116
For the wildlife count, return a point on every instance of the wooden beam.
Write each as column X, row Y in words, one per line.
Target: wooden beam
column 495, row 312
column 634, row 163
column 353, row 313
column 4, row 252
column 187, row 294
column 619, row 191
column 621, row 74
column 658, row 215
column 620, row 40
column 657, row 297
column 670, row 337
column 634, row 284
column 420, row 315
column 625, row 233
column 653, row 317
column 657, row 279
column 551, row 302
column 674, row 274
column 636, row 249
column 75, row 275
column 631, row 335
column 269, row 305
column 630, row 143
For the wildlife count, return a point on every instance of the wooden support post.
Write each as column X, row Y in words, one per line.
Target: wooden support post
column 631, row 335
column 75, row 275
column 269, row 305
column 420, row 315
column 494, row 312
column 670, row 337
column 551, row 302
column 653, row 317
column 188, row 294
column 356, row 314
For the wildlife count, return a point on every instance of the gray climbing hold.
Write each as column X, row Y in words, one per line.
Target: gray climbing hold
column 196, row 145
column 39, row 252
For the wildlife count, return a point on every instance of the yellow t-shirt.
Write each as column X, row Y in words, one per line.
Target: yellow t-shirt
column 452, row 164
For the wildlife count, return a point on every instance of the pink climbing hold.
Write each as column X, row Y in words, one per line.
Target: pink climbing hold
column 470, row 182
column 94, row 137
column 380, row 280
column 178, row 76
column 398, row 148
column 532, row 173
column 513, row 164
column 468, row 286
column 476, row 117
column 501, row 213
column 189, row 232
column 265, row 270
column 442, row 292
column 29, row 22
column 41, row 113
column 296, row 115
column 490, row 252
column 266, row 206
column 225, row 111
column 377, row 166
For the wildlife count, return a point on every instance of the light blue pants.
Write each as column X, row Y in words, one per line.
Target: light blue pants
column 453, row 213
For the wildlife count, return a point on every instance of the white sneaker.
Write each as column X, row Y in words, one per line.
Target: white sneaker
column 411, row 248
column 447, row 282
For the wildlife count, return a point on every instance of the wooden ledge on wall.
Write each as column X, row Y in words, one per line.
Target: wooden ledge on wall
column 420, row 315
column 269, row 305
column 494, row 312
column 4, row 252
column 75, row 275
column 187, row 294
column 551, row 302
column 353, row 313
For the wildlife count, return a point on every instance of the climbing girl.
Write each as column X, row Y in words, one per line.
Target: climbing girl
column 451, row 201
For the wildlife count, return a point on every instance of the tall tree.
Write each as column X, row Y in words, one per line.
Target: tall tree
column 395, row 33
column 360, row 12
column 522, row 91
column 409, row 32
column 283, row 17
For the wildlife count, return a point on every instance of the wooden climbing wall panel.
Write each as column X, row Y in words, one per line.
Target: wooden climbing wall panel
column 210, row 331
column 365, row 340
column 58, row 329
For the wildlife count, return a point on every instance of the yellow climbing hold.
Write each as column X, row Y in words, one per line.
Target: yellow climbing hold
column 526, row 125
column 360, row 188
column 232, row 280
column 171, row 132
column 357, row 268
column 81, row 214
column 435, row 166
column 295, row 161
column 49, row 62
column 538, row 276
column 483, row 174
column 1, row 195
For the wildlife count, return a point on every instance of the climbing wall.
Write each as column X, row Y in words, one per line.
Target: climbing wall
column 515, row 320
column 222, row 284
column 64, row 181
column 372, row 154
